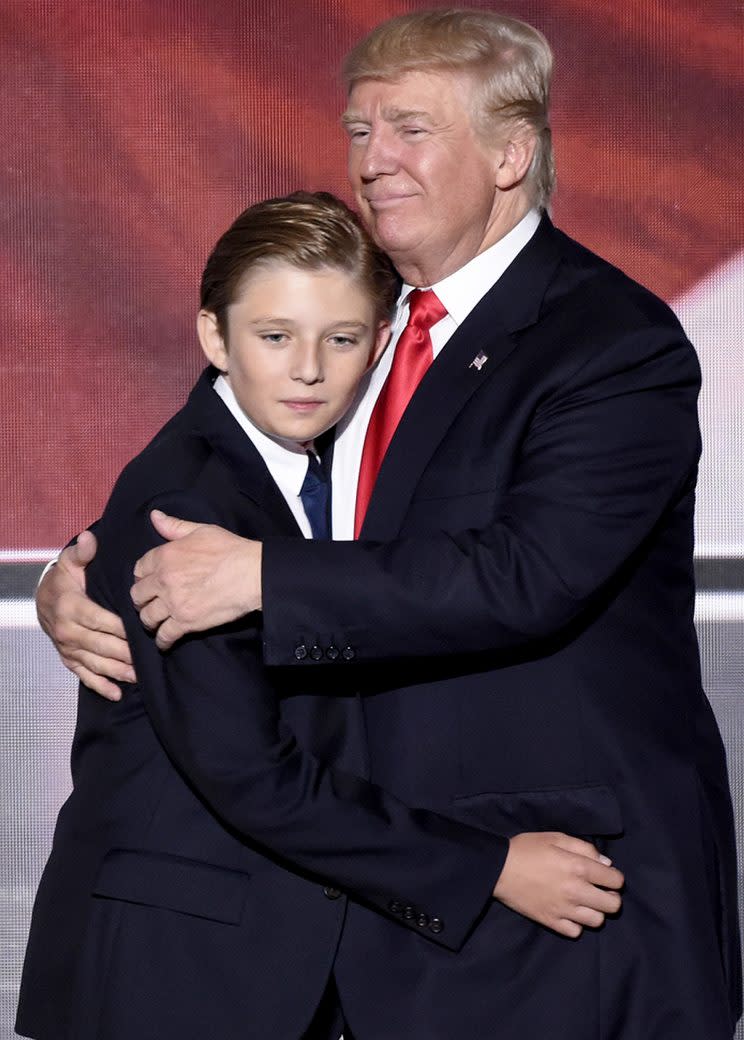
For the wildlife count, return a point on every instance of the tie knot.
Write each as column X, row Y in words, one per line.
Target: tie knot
column 314, row 474
column 425, row 309
column 315, row 498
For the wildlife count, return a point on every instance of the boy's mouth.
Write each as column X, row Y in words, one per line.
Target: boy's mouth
column 303, row 404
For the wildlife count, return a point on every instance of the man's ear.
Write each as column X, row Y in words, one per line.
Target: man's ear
column 382, row 338
column 211, row 340
column 514, row 160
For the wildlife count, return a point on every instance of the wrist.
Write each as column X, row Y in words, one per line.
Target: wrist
column 250, row 576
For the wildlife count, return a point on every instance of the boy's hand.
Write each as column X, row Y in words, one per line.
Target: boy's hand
column 89, row 639
column 559, row 881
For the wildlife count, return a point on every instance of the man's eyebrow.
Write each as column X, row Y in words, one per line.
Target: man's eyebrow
column 399, row 115
column 390, row 115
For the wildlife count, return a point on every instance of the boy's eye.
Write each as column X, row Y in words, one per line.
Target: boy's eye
column 341, row 340
column 273, row 337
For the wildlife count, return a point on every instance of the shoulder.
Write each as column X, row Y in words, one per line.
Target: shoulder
column 174, row 458
column 595, row 316
column 180, row 465
column 592, row 286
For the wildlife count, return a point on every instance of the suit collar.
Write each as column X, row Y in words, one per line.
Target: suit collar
column 211, row 419
column 514, row 303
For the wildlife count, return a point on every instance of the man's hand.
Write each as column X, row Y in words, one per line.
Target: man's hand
column 204, row 577
column 90, row 640
column 559, row 881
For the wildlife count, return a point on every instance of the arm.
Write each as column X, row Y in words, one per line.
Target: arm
column 211, row 706
column 90, row 640
column 608, row 452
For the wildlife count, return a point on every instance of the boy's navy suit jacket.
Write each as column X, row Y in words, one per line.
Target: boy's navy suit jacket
column 193, row 885
column 520, row 608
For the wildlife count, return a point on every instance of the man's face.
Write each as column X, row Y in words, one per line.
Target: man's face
column 424, row 183
column 298, row 343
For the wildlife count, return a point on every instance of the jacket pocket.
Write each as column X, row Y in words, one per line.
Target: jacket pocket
column 170, row 882
column 590, row 809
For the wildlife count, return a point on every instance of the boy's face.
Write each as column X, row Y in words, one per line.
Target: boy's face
column 298, row 343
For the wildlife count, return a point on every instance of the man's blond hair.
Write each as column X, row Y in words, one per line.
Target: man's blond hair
column 509, row 61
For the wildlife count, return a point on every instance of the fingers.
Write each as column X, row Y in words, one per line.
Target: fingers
column 169, row 633
column 599, row 874
column 104, row 665
column 578, row 847
column 570, row 929
column 107, row 629
column 145, row 566
column 153, row 613
column 98, row 683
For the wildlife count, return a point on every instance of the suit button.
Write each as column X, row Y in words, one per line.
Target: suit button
column 316, row 653
column 422, row 920
column 300, row 652
column 332, row 653
column 348, row 653
column 436, row 926
column 409, row 913
column 395, row 906
column 332, row 893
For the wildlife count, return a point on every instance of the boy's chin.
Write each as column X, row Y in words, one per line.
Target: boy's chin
column 297, row 440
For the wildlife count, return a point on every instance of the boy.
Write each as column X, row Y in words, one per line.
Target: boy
column 165, row 909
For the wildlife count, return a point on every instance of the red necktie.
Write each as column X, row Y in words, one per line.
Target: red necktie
column 413, row 355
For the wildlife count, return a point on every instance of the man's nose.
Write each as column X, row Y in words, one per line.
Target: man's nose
column 307, row 363
column 379, row 154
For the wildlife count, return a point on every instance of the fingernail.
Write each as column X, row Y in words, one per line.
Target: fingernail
column 606, row 860
column 130, row 675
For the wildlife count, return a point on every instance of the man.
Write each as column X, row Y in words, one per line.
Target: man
column 518, row 609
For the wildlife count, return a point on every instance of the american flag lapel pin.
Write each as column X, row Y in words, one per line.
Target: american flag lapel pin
column 479, row 361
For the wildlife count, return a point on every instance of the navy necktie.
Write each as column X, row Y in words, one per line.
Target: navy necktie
column 314, row 497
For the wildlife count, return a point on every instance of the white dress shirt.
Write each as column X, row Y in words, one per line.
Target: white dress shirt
column 459, row 293
column 287, row 466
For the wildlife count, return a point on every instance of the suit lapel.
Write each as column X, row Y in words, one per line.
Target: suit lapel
column 212, row 420
column 457, row 374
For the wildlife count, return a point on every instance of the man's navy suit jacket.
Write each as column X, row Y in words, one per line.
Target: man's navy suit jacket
column 167, row 908
column 520, row 611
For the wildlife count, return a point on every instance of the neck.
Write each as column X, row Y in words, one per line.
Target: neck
column 423, row 270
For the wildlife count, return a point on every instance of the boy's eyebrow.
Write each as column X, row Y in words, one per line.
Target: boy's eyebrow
column 270, row 317
column 347, row 323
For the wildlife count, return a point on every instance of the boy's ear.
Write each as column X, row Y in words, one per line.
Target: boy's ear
column 382, row 338
column 211, row 340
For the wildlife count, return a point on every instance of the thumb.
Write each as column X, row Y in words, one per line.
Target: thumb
column 170, row 527
column 82, row 552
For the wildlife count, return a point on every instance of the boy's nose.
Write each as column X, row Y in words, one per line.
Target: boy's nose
column 308, row 364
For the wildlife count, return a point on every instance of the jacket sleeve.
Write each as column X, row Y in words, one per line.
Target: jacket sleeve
column 609, row 452
column 209, row 701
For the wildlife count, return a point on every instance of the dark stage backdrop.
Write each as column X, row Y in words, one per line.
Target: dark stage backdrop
column 134, row 131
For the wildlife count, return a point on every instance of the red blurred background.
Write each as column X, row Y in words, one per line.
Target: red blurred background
column 133, row 132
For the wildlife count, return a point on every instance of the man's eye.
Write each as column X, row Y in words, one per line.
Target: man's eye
column 358, row 134
column 413, row 131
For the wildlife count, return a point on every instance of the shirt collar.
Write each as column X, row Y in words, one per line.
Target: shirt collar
column 461, row 291
column 287, row 467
